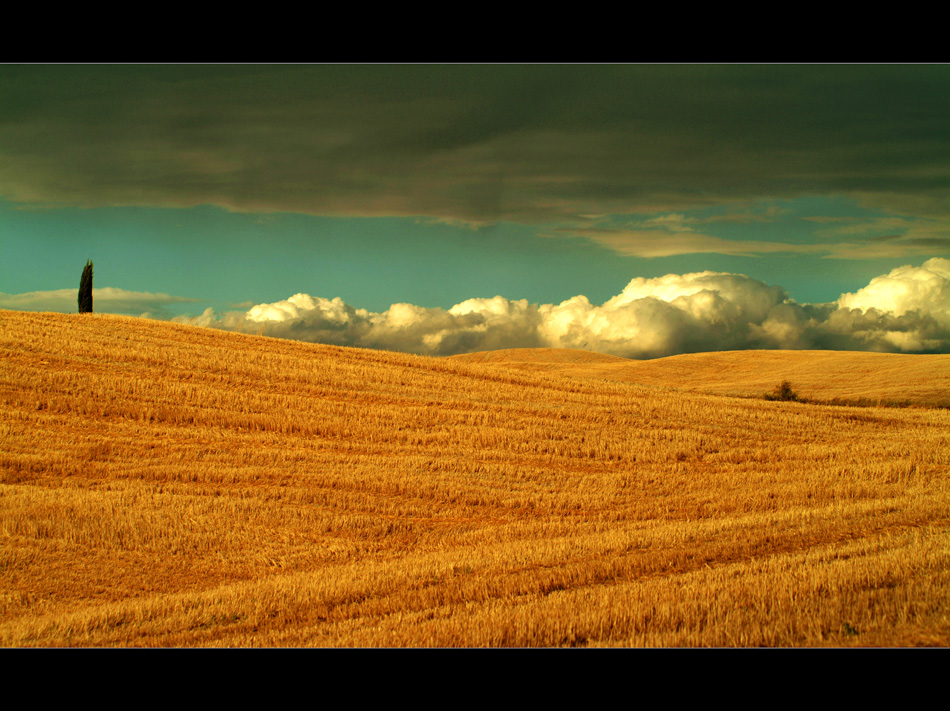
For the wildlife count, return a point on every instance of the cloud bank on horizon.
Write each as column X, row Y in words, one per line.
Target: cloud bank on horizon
column 904, row 311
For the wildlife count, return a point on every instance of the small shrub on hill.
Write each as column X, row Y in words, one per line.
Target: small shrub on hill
column 783, row 392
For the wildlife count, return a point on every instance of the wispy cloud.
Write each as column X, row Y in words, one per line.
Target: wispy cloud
column 883, row 237
column 105, row 300
column 673, row 234
column 677, row 237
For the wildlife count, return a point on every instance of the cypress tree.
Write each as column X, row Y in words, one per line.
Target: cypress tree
column 85, row 289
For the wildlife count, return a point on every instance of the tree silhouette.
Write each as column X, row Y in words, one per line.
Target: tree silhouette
column 85, row 289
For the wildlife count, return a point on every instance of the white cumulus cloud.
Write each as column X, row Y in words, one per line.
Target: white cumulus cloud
column 907, row 310
column 924, row 289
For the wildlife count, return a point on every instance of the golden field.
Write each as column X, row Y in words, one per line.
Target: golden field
column 166, row 485
column 831, row 377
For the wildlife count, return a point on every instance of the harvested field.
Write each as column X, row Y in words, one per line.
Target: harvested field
column 166, row 485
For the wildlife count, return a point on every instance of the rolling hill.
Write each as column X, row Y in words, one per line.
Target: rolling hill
column 167, row 485
column 825, row 376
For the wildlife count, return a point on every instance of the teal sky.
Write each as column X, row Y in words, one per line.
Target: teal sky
column 229, row 186
column 222, row 258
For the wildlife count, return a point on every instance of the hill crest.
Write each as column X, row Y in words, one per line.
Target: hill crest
column 852, row 376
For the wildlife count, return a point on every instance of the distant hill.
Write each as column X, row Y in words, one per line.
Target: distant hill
column 847, row 376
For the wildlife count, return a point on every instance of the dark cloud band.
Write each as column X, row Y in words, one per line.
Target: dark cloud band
column 474, row 143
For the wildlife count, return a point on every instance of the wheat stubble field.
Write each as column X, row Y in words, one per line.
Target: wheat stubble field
column 165, row 485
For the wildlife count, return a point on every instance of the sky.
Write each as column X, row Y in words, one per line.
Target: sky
column 639, row 210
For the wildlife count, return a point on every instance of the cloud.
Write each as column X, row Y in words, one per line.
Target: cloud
column 475, row 324
column 906, row 310
column 673, row 234
column 538, row 143
column 882, row 237
column 677, row 237
column 924, row 290
column 105, row 300
column 671, row 314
